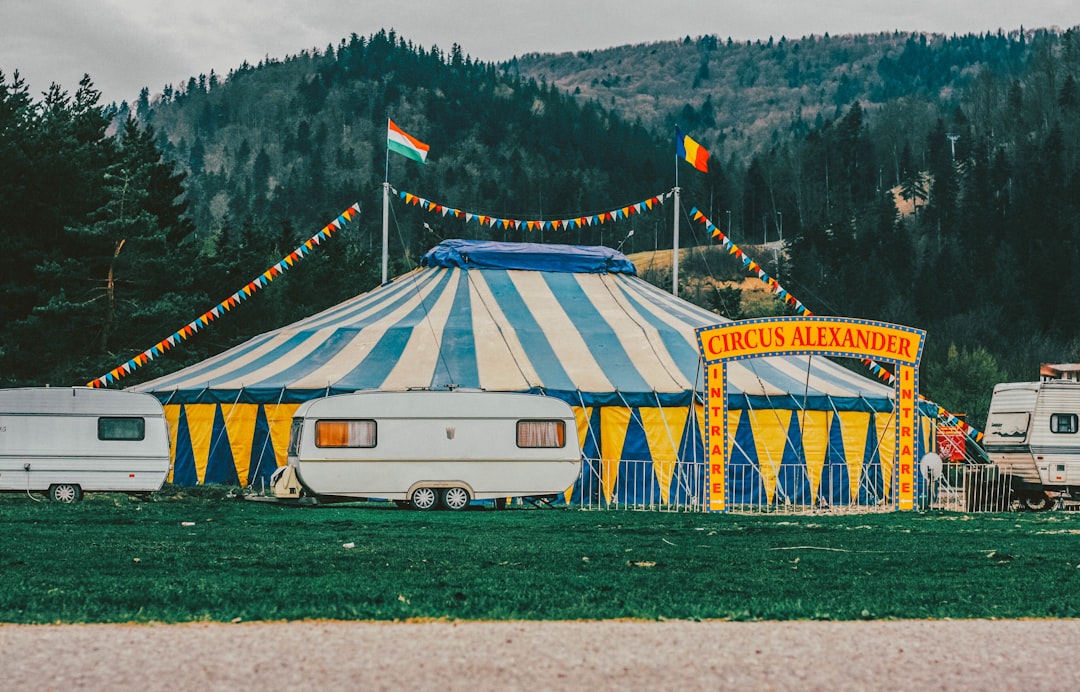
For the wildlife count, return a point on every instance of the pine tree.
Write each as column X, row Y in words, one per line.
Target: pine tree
column 110, row 279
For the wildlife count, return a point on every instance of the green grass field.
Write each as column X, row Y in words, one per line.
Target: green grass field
column 181, row 558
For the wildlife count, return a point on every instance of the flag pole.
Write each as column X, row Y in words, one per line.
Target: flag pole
column 386, row 208
column 675, row 237
column 675, row 249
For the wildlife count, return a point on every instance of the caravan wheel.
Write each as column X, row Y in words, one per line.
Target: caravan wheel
column 1038, row 503
column 424, row 499
column 65, row 492
column 455, row 499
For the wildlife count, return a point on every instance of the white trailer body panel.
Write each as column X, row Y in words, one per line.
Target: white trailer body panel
column 52, row 436
column 436, row 439
column 1032, row 433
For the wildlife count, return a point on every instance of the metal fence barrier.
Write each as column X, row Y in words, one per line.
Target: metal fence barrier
column 681, row 487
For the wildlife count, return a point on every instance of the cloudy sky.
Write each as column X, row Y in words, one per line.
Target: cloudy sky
column 125, row 45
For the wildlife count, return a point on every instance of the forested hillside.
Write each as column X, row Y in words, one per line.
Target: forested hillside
column 741, row 97
column 124, row 222
column 294, row 139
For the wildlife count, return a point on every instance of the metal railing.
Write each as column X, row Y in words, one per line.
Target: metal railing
column 681, row 487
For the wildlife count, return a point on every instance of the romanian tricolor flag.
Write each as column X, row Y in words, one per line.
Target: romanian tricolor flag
column 686, row 148
column 406, row 145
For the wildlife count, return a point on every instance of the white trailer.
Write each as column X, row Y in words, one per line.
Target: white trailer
column 67, row 441
column 1033, row 437
column 431, row 448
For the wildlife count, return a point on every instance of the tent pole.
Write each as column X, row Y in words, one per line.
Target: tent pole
column 386, row 206
column 385, row 226
column 675, row 249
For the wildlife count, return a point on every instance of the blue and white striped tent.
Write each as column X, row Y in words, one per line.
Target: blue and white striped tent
column 570, row 322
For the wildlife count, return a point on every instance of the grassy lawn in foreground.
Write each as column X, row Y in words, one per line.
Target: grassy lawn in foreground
column 180, row 558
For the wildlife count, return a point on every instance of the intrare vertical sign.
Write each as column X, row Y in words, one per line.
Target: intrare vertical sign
column 906, row 441
column 817, row 335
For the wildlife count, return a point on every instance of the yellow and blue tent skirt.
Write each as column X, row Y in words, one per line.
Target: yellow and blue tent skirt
column 633, row 456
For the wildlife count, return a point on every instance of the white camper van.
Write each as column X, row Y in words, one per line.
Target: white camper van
column 1033, row 437
column 70, row 440
column 431, row 448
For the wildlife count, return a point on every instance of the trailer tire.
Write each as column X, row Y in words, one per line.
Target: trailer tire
column 1039, row 503
column 454, row 499
column 424, row 498
column 65, row 492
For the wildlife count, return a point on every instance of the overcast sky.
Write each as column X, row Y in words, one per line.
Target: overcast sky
column 125, row 45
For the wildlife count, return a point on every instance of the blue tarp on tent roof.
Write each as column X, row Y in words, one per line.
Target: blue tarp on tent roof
column 487, row 254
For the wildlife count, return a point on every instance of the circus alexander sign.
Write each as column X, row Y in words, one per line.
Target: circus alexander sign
column 812, row 335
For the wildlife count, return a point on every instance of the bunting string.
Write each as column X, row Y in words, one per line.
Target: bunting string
column 753, row 267
column 536, row 224
column 229, row 303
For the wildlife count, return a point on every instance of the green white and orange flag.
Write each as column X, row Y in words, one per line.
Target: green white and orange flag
column 397, row 140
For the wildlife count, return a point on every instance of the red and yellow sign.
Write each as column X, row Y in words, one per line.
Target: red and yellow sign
column 906, row 420
column 811, row 335
column 817, row 335
column 716, row 435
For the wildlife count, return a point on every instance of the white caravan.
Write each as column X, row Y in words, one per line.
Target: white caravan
column 1033, row 437
column 431, row 448
column 70, row 440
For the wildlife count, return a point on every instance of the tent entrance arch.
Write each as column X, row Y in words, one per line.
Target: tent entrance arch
column 722, row 344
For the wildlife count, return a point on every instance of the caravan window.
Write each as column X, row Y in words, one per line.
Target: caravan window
column 294, row 436
column 541, row 433
column 345, row 433
column 133, row 429
column 1063, row 423
column 1007, row 426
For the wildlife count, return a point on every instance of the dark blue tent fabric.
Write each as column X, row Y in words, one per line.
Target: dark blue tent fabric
column 747, row 486
column 589, row 489
column 835, row 488
column 263, row 460
column 636, row 483
column 872, row 481
column 184, row 472
column 688, row 479
column 489, row 254
column 793, row 479
column 219, row 466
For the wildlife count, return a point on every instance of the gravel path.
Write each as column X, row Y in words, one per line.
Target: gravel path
column 938, row 655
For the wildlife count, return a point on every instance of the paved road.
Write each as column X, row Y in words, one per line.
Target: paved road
column 957, row 655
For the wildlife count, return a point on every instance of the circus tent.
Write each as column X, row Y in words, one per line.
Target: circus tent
column 564, row 321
